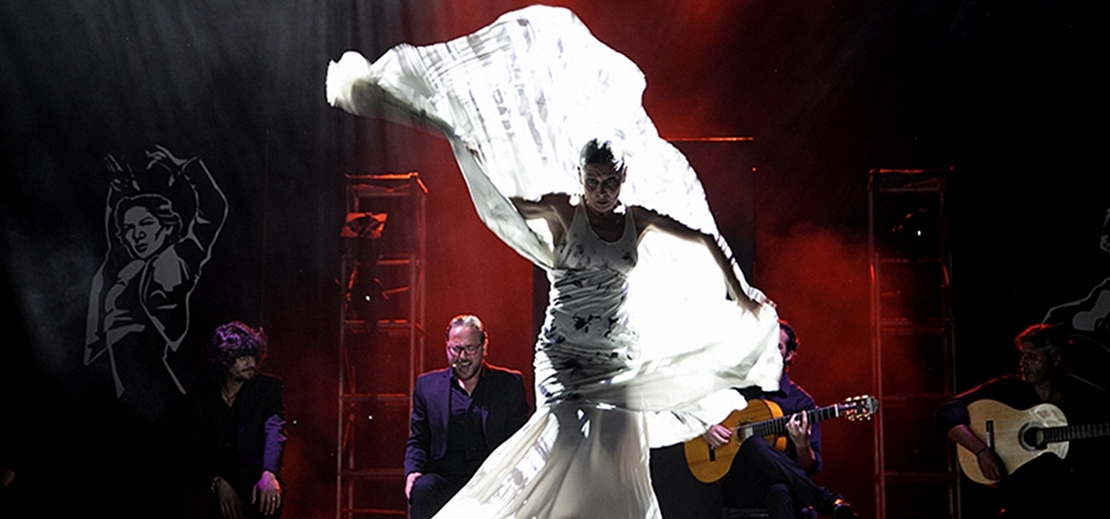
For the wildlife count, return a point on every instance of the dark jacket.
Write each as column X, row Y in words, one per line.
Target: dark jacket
column 504, row 411
column 258, row 418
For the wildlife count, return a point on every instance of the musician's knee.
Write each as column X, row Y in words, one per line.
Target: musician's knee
column 755, row 448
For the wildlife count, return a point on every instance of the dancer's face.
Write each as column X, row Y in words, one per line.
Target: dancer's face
column 144, row 234
column 465, row 351
column 601, row 186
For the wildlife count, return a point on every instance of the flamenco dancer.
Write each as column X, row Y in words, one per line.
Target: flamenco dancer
column 637, row 321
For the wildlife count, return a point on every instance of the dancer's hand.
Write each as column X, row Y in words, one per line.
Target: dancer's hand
column 717, row 435
column 159, row 156
column 123, row 180
column 173, row 165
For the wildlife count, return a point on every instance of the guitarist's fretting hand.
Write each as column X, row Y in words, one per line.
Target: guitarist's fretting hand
column 798, row 429
column 717, row 435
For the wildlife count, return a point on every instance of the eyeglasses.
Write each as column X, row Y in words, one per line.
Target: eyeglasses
column 469, row 348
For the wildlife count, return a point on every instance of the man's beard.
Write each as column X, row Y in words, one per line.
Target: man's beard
column 243, row 376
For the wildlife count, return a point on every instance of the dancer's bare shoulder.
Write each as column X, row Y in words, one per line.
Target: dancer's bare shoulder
column 555, row 208
column 552, row 205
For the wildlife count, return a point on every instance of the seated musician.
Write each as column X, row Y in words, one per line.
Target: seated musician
column 1045, row 486
column 760, row 476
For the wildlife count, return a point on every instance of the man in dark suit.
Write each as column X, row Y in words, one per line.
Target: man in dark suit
column 459, row 415
column 237, row 423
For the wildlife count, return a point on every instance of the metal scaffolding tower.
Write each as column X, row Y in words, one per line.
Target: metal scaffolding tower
column 381, row 340
column 913, row 343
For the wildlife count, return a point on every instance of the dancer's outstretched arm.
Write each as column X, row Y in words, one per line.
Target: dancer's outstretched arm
column 648, row 219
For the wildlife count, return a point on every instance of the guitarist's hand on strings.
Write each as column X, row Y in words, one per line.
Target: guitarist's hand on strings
column 991, row 465
column 717, row 435
column 798, row 429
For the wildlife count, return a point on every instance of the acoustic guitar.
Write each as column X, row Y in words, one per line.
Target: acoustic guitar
column 763, row 418
column 1019, row 436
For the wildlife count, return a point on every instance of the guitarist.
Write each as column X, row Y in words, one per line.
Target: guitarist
column 760, row 477
column 1045, row 486
column 780, row 481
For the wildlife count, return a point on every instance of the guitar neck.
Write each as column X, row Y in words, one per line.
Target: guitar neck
column 778, row 425
column 1076, row 432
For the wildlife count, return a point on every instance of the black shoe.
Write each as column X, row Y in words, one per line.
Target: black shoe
column 843, row 510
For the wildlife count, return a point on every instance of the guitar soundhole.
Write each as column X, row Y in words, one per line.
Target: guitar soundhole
column 1032, row 437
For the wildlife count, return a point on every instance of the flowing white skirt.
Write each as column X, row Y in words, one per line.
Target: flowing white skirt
column 517, row 100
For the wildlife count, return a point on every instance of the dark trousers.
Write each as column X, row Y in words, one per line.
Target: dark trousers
column 1046, row 487
column 764, row 477
column 430, row 492
column 680, row 494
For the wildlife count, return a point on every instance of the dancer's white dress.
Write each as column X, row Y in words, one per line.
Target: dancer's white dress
column 624, row 350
